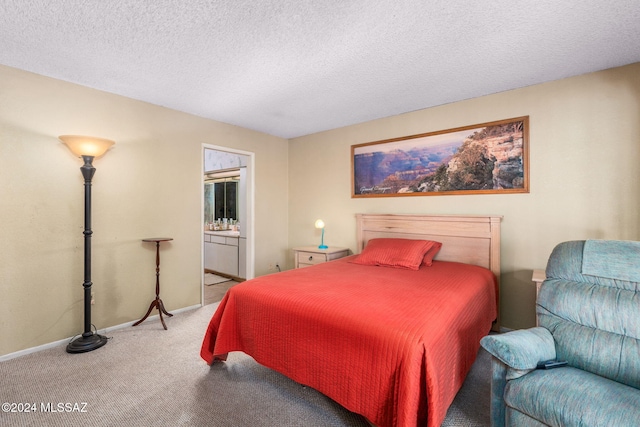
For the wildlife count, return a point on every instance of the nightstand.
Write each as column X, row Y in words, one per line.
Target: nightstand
column 538, row 277
column 306, row 256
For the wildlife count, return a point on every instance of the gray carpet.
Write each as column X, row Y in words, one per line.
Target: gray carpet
column 148, row 376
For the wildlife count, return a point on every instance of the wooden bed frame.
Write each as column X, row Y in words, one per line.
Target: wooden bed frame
column 390, row 355
column 468, row 239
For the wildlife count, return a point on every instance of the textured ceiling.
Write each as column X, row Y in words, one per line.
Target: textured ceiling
column 295, row 67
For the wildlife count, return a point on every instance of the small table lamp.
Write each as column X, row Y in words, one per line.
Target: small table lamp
column 320, row 224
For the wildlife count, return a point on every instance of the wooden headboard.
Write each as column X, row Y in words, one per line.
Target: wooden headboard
column 468, row 239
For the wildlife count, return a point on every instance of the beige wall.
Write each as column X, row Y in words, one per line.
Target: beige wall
column 147, row 185
column 584, row 174
column 585, row 183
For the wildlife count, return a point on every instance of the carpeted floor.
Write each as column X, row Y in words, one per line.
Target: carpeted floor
column 148, row 376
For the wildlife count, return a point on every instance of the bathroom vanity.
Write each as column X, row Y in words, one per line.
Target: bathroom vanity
column 223, row 252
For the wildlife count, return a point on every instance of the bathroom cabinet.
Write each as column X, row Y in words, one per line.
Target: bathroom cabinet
column 221, row 253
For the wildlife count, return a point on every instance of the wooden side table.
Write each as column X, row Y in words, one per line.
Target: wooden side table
column 157, row 303
column 538, row 277
column 306, row 256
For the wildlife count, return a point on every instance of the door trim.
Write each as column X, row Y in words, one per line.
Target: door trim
column 250, row 200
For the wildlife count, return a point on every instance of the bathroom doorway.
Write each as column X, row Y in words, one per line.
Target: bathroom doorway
column 227, row 213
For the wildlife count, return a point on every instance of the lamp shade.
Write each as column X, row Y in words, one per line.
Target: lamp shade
column 86, row 145
column 319, row 223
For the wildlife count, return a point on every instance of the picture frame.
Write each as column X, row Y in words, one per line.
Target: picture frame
column 486, row 158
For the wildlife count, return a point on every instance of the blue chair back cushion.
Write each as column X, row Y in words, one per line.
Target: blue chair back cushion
column 594, row 320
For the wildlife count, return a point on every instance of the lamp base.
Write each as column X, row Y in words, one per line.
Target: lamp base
column 86, row 343
column 323, row 247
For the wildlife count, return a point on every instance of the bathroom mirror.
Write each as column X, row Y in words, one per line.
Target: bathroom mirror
column 220, row 197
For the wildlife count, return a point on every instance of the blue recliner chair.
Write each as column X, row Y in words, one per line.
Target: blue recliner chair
column 589, row 316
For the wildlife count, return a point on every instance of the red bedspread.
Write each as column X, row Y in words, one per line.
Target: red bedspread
column 392, row 345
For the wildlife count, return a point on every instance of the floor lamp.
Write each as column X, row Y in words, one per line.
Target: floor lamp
column 88, row 148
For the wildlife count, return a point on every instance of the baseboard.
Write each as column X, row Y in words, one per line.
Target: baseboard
column 100, row 331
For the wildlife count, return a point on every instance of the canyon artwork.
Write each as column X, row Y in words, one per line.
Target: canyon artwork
column 488, row 158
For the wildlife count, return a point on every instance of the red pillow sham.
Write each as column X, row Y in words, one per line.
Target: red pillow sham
column 396, row 253
column 431, row 253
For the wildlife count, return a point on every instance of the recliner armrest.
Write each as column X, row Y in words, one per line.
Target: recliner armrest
column 514, row 354
column 521, row 349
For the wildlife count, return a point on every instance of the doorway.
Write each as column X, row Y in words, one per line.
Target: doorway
column 218, row 161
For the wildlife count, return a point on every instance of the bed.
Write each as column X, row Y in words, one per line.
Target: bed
column 391, row 344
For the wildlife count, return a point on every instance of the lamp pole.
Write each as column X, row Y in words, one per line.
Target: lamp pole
column 89, row 340
column 88, row 148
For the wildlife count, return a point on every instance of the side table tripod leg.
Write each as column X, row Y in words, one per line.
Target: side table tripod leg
column 164, row 325
column 153, row 304
column 162, row 309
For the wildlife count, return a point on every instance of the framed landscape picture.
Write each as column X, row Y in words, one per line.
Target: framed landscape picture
column 487, row 158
